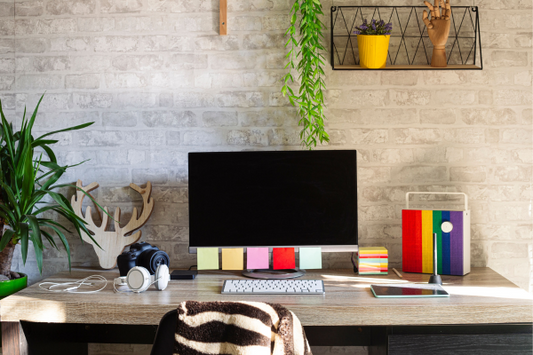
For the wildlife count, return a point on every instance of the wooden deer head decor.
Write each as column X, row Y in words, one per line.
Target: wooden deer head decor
column 112, row 243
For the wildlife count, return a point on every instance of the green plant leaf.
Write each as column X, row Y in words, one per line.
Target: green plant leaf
column 29, row 126
column 7, row 214
column 50, row 153
column 60, row 199
column 55, row 173
column 11, row 198
column 6, row 237
column 63, row 241
column 36, row 238
column 50, row 239
column 35, row 230
column 79, row 225
column 44, row 209
column 24, row 239
column 75, row 128
column 28, row 181
column 86, row 194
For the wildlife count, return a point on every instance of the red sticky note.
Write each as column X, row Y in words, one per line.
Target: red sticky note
column 283, row 258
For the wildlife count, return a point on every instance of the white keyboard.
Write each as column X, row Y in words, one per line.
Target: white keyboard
column 273, row 287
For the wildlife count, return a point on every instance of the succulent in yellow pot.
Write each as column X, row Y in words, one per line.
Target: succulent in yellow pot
column 373, row 42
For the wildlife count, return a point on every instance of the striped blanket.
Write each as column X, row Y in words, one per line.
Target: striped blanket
column 243, row 328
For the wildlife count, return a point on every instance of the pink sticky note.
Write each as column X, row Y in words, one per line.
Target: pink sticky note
column 257, row 258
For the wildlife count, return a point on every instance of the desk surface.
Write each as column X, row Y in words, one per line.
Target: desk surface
column 482, row 297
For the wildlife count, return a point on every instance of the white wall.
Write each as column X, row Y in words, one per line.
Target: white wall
column 159, row 82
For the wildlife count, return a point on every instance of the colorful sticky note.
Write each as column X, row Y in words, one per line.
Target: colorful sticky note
column 311, row 258
column 257, row 258
column 207, row 258
column 232, row 259
column 283, row 258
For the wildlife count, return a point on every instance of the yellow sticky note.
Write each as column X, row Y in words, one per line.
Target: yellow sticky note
column 232, row 259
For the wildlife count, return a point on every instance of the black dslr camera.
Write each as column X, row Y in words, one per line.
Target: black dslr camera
column 142, row 254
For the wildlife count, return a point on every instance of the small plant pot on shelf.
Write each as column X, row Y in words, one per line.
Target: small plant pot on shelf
column 9, row 287
column 373, row 50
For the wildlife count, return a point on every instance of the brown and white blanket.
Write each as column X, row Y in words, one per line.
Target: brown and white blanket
column 241, row 328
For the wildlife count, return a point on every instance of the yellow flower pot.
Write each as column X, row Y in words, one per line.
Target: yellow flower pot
column 373, row 50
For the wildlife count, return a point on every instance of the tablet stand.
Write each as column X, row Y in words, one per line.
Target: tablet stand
column 435, row 278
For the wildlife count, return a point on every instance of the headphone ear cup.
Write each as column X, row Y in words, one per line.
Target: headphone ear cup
column 138, row 279
column 162, row 276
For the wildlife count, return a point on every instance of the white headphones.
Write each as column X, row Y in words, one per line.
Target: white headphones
column 139, row 279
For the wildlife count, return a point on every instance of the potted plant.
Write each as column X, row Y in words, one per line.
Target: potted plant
column 305, row 56
column 373, row 42
column 29, row 173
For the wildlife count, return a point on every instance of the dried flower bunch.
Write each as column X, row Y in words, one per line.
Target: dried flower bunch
column 374, row 28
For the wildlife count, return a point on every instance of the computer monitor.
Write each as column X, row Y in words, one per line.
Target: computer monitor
column 273, row 199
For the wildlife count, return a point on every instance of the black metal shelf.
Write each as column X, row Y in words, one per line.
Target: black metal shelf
column 410, row 47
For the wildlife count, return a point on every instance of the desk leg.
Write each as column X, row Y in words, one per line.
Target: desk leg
column 13, row 339
column 23, row 340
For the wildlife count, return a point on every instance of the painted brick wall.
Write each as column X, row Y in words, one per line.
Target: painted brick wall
column 159, row 82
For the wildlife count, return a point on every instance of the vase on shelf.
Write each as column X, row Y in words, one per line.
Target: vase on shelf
column 373, row 50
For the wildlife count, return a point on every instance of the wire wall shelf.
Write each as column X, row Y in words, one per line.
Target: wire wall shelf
column 410, row 47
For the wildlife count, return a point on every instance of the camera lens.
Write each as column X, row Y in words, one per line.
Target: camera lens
column 154, row 258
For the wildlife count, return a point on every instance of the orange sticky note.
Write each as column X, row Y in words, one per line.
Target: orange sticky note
column 232, row 259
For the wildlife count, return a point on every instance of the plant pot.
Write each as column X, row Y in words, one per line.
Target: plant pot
column 11, row 286
column 373, row 50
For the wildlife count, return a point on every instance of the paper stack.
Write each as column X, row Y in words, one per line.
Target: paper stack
column 373, row 261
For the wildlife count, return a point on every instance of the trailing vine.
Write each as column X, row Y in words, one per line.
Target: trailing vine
column 310, row 97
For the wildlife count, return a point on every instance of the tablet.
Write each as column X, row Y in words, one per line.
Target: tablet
column 408, row 290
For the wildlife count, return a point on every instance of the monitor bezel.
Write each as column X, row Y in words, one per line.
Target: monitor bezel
column 324, row 248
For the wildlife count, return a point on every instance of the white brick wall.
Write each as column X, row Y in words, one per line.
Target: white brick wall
column 159, row 82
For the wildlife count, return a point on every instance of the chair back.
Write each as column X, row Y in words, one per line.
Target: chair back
column 164, row 337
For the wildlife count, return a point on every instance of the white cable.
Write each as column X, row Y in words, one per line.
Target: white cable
column 77, row 285
column 129, row 290
column 117, row 290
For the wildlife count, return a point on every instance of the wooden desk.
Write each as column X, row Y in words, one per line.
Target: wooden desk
column 482, row 298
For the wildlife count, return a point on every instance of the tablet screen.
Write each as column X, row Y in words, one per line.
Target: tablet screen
column 410, row 290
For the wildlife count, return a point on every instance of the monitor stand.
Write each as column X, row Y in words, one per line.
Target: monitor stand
column 273, row 274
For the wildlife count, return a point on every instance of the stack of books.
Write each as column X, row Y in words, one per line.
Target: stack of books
column 373, row 261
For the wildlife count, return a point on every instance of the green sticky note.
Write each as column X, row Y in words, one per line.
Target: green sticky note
column 207, row 258
column 311, row 258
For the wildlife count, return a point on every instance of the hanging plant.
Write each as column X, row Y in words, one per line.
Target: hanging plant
column 307, row 46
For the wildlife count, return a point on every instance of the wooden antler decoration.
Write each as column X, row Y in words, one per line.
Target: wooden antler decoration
column 112, row 243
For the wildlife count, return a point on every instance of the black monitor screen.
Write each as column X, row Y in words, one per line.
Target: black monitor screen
column 281, row 198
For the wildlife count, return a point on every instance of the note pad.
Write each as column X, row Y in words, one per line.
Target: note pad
column 310, row 258
column 207, row 258
column 408, row 290
column 232, row 259
column 283, row 258
column 257, row 258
